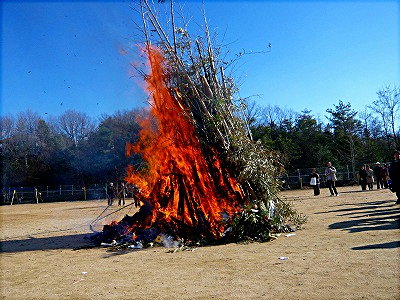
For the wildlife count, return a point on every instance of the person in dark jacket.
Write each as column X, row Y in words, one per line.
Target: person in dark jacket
column 394, row 174
column 378, row 175
column 110, row 193
column 385, row 175
column 363, row 178
column 315, row 182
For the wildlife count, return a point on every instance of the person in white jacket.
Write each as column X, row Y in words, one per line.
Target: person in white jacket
column 330, row 173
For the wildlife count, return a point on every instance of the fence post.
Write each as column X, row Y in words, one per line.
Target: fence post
column 72, row 189
column 348, row 173
column 47, row 189
column 60, row 190
column 84, row 193
column 300, row 180
column 36, row 196
column 12, row 199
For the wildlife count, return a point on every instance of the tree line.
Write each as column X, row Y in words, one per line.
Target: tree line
column 74, row 148
column 347, row 137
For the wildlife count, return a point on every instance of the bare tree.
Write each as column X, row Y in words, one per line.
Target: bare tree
column 76, row 126
column 26, row 129
column 7, row 127
column 387, row 107
column 275, row 115
column 27, row 122
column 22, row 141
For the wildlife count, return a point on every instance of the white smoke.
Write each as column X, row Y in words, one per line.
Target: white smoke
column 168, row 241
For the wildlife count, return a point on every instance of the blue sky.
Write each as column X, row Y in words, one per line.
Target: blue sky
column 59, row 55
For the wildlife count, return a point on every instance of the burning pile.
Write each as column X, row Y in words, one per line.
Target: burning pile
column 205, row 179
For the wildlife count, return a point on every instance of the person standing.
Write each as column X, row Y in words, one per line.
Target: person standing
column 314, row 181
column 363, row 178
column 378, row 175
column 384, row 176
column 122, row 194
column 394, row 174
column 330, row 173
column 136, row 194
column 370, row 177
column 110, row 193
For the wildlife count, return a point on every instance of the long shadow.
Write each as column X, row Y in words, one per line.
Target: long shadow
column 353, row 191
column 388, row 245
column 385, row 212
column 378, row 202
column 356, row 208
column 368, row 216
column 87, row 207
column 368, row 224
column 74, row 241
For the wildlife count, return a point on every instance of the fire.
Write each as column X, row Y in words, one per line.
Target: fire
column 188, row 189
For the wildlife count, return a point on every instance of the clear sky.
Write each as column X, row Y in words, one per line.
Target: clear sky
column 59, row 55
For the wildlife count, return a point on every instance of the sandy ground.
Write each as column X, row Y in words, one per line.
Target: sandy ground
column 348, row 249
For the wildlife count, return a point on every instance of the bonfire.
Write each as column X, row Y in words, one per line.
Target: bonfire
column 205, row 179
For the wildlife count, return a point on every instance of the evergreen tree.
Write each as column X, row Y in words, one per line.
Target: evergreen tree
column 346, row 130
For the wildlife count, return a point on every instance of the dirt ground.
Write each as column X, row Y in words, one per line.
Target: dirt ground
column 348, row 249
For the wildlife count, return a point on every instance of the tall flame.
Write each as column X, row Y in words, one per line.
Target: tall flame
column 184, row 186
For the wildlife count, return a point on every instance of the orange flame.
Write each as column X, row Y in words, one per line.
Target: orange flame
column 182, row 184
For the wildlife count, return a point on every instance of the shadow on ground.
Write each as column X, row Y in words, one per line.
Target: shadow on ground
column 368, row 216
column 388, row 245
column 74, row 241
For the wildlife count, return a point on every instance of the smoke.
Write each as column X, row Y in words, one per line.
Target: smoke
column 168, row 241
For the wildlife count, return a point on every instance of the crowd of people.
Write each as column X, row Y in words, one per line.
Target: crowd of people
column 367, row 176
column 386, row 176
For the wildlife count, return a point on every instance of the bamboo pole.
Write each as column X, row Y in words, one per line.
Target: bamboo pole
column 173, row 25
column 144, row 24
column 224, row 91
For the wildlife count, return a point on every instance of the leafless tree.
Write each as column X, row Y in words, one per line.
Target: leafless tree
column 7, row 127
column 22, row 137
column 76, row 126
column 277, row 115
column 387, row 107
column 26, row 129
column 27, row 122
column 372, row 126
column 252, row 111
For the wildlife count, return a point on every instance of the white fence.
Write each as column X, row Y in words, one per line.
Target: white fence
column 14, row 195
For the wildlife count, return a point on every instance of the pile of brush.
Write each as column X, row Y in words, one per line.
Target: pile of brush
column 195, row 76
